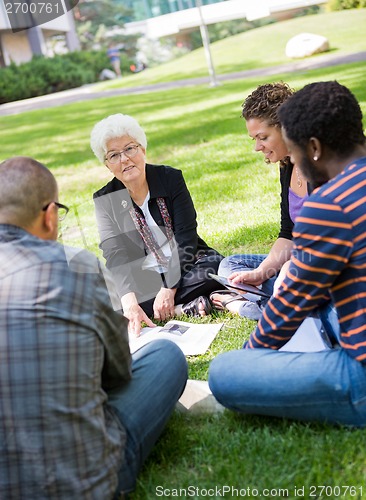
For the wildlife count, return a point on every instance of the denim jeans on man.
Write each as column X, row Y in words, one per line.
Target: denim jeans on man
column 159, row 375
column 327, row 385
column 304, row 386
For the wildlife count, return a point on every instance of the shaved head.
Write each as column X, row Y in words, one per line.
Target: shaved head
column 26, row 186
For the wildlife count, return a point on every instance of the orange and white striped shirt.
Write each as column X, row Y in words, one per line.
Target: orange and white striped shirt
column 329, row 258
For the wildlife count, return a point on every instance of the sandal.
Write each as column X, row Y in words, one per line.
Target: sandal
column 220, row 305
column 192, row 308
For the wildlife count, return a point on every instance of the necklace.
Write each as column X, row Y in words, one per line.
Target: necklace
column 299, row 179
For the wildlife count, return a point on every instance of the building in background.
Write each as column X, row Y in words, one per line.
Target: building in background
column 150, row 20
column 19, row 47
column 156, row 19
column 145, row 9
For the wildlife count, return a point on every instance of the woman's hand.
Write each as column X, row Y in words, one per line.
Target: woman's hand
column 252, row 277
column 135, row 314
column 281, row 276
column 271, row 265
column 164, row 307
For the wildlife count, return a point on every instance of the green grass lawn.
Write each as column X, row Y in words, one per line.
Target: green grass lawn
column 199, row 130
column 259, row 48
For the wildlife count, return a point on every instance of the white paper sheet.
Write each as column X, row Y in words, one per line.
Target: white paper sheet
column 309, row 337
column 193, row 338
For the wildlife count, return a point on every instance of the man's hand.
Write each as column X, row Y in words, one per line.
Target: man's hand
column 135, row 314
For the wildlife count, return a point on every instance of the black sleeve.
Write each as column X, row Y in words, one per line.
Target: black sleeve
column 286, row 222
column 184, row 220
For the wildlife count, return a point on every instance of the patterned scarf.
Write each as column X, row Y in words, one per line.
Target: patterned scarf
column 147, row 235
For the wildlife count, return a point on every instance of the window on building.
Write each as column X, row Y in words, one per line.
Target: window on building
column 144, row 9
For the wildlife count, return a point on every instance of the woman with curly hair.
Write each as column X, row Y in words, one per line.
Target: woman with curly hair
column 322, row 125
column 260, row 114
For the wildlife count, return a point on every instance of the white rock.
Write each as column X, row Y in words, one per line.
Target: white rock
column 306, row 44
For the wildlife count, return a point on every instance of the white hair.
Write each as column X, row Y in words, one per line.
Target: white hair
column 112, row 127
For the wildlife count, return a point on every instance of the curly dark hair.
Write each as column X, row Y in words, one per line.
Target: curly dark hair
column 264, row 101
column 325, row 110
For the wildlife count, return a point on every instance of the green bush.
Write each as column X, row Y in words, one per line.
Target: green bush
column 96, row 61
column 91, row 60
column 345, row 4
column 43, row 75
column 11, row 88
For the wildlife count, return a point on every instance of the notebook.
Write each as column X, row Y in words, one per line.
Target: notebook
column 239, row 287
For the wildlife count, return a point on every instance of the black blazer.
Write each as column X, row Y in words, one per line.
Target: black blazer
column 122, row 244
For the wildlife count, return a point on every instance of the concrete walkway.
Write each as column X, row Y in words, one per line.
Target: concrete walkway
column 89, row 92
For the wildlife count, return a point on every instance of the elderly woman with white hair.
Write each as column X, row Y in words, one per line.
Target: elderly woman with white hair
column 148, row 230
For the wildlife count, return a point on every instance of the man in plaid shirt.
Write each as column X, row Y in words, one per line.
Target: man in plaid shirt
column 78, row 415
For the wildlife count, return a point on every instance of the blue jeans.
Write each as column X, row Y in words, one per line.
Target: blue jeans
column 329, row 318
column 159, row 375
column 235, row 263
column 327, row 386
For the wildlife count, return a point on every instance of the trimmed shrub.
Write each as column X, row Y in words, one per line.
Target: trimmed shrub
column 43, row 75
column 93, row 60
column 345, row 4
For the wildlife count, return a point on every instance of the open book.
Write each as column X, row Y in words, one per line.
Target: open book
column 193, row 338
column 241, row 288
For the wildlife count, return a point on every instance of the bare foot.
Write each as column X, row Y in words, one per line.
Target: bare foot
column 227, row 301
column 201, row 309
column 200, row 306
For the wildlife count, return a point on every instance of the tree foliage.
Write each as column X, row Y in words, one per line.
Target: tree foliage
column 96, row 22
column 346, row 4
